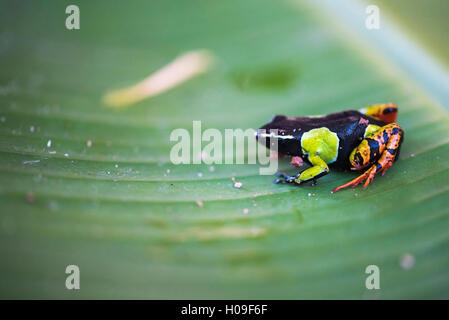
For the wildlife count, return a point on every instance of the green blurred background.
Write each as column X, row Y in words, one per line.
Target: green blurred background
column 424, row 21
column 128, row 217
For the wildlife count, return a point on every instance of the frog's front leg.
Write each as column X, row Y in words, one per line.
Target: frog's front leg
column 319, row 168
column 378, row 150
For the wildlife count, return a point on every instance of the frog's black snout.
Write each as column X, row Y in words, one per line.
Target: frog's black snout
column 278, row 118
column 274, row 124
column 263, row 136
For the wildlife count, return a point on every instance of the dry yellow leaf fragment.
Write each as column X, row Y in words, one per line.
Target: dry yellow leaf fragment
column 180, row 70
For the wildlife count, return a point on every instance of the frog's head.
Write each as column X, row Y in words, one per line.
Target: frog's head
column 285, row 130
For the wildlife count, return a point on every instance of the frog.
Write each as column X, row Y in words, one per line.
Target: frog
column 367, row 139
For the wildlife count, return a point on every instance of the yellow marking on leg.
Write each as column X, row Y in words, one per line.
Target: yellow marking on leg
column 319, row 168
column 371, row 129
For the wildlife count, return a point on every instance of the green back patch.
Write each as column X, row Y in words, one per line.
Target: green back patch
column 321, row 142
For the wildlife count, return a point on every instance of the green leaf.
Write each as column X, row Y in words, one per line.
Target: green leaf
column 135, row 229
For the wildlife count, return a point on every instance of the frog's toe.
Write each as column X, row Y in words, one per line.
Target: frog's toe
column 353, row 183
column 284, row 178
column 386, row 167
column 282, row 175
column 367, row 176
column 370, row 173
column 279, row 181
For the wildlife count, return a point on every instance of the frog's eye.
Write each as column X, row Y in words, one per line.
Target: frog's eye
column 360, row 157
column 278, row 117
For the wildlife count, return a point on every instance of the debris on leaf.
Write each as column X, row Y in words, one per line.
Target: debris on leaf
column 407, row 261
column 237, row 184
column 31, row 161
column 30, row 197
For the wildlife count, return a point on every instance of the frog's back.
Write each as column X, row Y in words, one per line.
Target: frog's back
column 349, row 126
column 337, row 119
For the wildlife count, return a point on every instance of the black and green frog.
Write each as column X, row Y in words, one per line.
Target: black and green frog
column 367, row 139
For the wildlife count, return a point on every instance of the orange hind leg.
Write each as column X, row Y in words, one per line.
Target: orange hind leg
column 389, row 152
